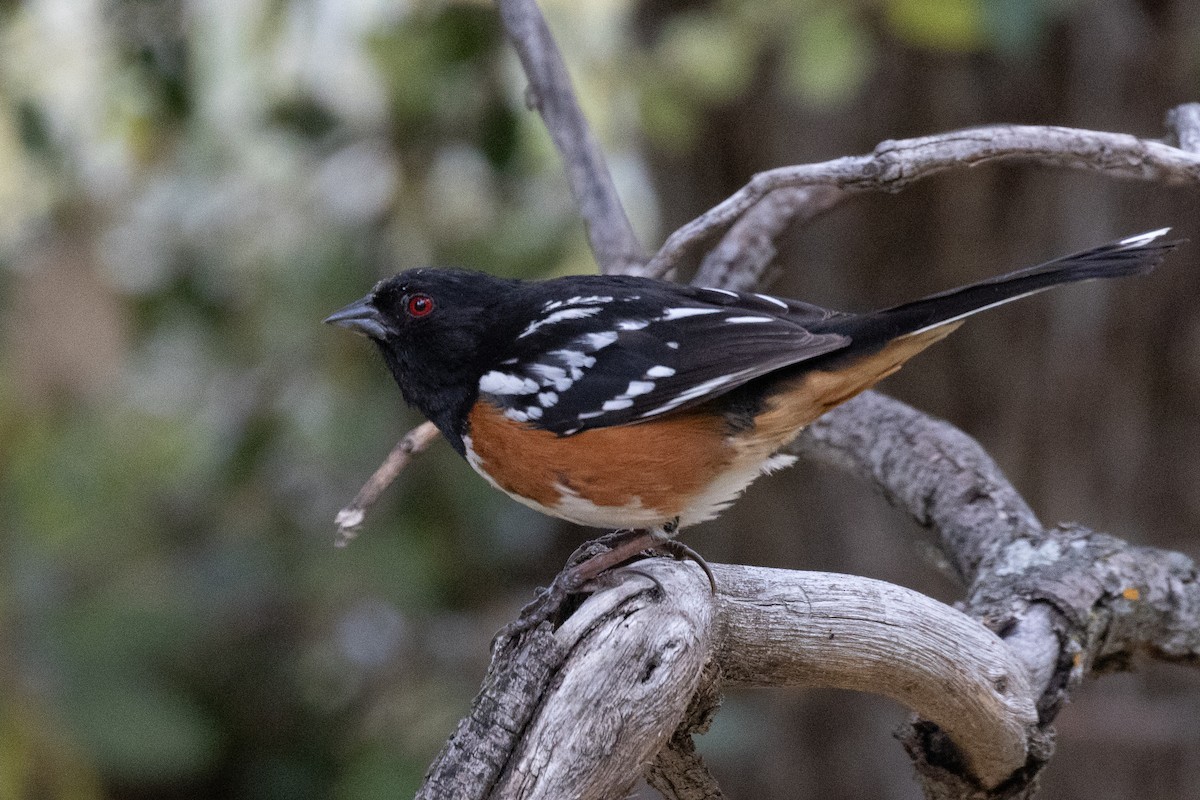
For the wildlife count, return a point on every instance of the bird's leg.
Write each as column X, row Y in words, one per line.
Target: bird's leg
column 623, row 545
column 601, row 544
column 591, row 559
column 666, row 543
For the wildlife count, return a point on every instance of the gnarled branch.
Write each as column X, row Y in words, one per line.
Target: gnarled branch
column 647, row 639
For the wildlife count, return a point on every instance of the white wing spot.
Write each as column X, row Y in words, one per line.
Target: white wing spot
column 598, row 341
column 673, row 345
column 574, row 358
column 740, row 320
column 551, row 376
column 632, row 324
column 496, row 382
column 699, row 390
column 514, row 414
column 533, row 412
column 559, row 316
column 547, row 399
column 588, row 301
column 725, row 292
column 624, row 401
column 774, row 300
column 680, row 313
column 660, row 372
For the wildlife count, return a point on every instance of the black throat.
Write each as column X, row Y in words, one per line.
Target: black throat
column 446, row 404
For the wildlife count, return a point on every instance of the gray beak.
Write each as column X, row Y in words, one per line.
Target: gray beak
column 360, row 316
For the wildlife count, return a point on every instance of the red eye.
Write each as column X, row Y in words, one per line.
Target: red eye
column 419, row 305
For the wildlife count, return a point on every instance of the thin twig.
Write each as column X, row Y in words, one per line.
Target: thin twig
column 738, row 262
column 612, row 239
column 351, row 518
column 896, row 164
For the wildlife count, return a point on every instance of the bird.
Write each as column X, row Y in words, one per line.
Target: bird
column 646, row 406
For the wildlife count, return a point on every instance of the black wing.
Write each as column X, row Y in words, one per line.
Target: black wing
column 592, row 361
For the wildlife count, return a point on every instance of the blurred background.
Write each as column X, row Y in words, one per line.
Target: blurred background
column 188, row 188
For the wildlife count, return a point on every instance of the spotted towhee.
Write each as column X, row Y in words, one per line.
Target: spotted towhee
column 633, row 403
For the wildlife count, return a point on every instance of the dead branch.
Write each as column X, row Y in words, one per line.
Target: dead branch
column 612, row 239
column 738, row 262
column 894, row 165
column 351, row 518
column 646, row 640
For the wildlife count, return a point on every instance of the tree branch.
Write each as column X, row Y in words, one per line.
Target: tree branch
column 1184, row 124
column 351, row 518
column 612, row 239
column 803, row 629
column 738, row 262
column 896, row 164
column 647, row 638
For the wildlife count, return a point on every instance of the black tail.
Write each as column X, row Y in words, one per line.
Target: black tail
column 1135, row 255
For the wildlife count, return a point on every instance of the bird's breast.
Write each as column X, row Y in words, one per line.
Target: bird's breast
column 632, row 476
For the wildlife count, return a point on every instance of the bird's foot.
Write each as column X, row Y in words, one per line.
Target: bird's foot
column 590, row 560
column 681, row 552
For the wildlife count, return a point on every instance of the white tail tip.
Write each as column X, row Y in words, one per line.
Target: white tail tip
column 1143, row 239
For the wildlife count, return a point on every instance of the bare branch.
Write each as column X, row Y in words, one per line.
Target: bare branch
column 678, row 772
column 847, row 632
column 351, row 518
column 896, row 164
column 1184, row 123
column 612, row 238
column 482, row 744
column 739, row 261
column 648, row 646
column 544, row 724
column 1101, row 595
column 636, row 642
column 928, row 468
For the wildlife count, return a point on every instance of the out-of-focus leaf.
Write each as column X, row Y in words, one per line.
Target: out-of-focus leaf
column 1015, row 27
column 499, row 135
column 829, row 56
column 708, row 54
column 379, row 774
column 667, row 117
column 304, row 115
column 948, row 25
column 37, row 758
column 143, row 731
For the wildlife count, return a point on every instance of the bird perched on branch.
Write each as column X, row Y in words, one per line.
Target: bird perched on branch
column 641, row 405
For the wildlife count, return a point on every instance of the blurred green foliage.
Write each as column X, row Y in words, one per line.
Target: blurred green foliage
column 185, row 191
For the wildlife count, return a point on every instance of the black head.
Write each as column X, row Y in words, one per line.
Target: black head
column 437, row 329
